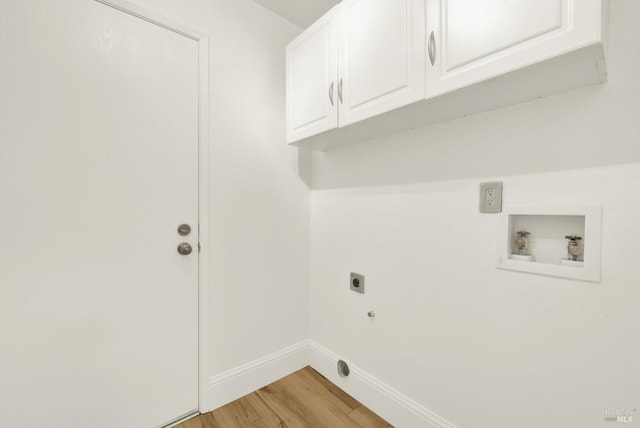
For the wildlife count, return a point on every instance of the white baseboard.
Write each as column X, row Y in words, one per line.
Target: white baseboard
column 240, row 381
column 393, row 406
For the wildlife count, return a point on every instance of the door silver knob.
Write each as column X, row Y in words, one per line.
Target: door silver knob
column 184, row 249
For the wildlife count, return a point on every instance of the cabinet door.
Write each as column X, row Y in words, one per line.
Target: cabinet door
column 381, row 56
column 312, row 70
column 470, row 41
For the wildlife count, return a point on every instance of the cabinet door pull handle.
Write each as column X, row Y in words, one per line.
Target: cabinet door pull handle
column 340, row 90
column 331, row 93
column 432, row 48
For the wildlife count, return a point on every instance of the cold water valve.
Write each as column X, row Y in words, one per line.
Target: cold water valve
column 573, row 248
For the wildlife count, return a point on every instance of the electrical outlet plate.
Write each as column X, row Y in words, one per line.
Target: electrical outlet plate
column 491, row 197
column 356, row 282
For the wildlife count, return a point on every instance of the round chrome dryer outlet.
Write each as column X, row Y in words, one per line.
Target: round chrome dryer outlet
column 343, row 368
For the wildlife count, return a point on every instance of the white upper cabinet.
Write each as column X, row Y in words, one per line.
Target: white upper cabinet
column 381, row 56
column 361, row 59
column 312, row 79
column 471, row 41
column 373, row 67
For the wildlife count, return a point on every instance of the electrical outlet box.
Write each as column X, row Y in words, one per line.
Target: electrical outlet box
column 491, row 197
column 356, row 282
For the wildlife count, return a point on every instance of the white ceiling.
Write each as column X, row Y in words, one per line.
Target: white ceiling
column 300, row 12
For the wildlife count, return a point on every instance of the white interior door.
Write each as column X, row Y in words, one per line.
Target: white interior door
column 98, row 168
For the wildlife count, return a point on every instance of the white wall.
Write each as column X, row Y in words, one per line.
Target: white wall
column 479, row 346
column 259, row 207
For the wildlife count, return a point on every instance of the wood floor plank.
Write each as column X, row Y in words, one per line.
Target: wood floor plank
column 344, row 403
column 286, row 404
column 240, row 414
column 317, row 378
column 319, row 400
column 366, row 418
column 304, row 399
column 269, row 417
column 264, row 423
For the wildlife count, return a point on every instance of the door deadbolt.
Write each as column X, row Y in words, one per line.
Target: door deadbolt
column 184, row 230
column 184, row 249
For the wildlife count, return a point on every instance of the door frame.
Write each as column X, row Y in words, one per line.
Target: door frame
column 203, row 180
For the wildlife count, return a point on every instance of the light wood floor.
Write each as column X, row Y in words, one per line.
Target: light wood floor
column 301, row 400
